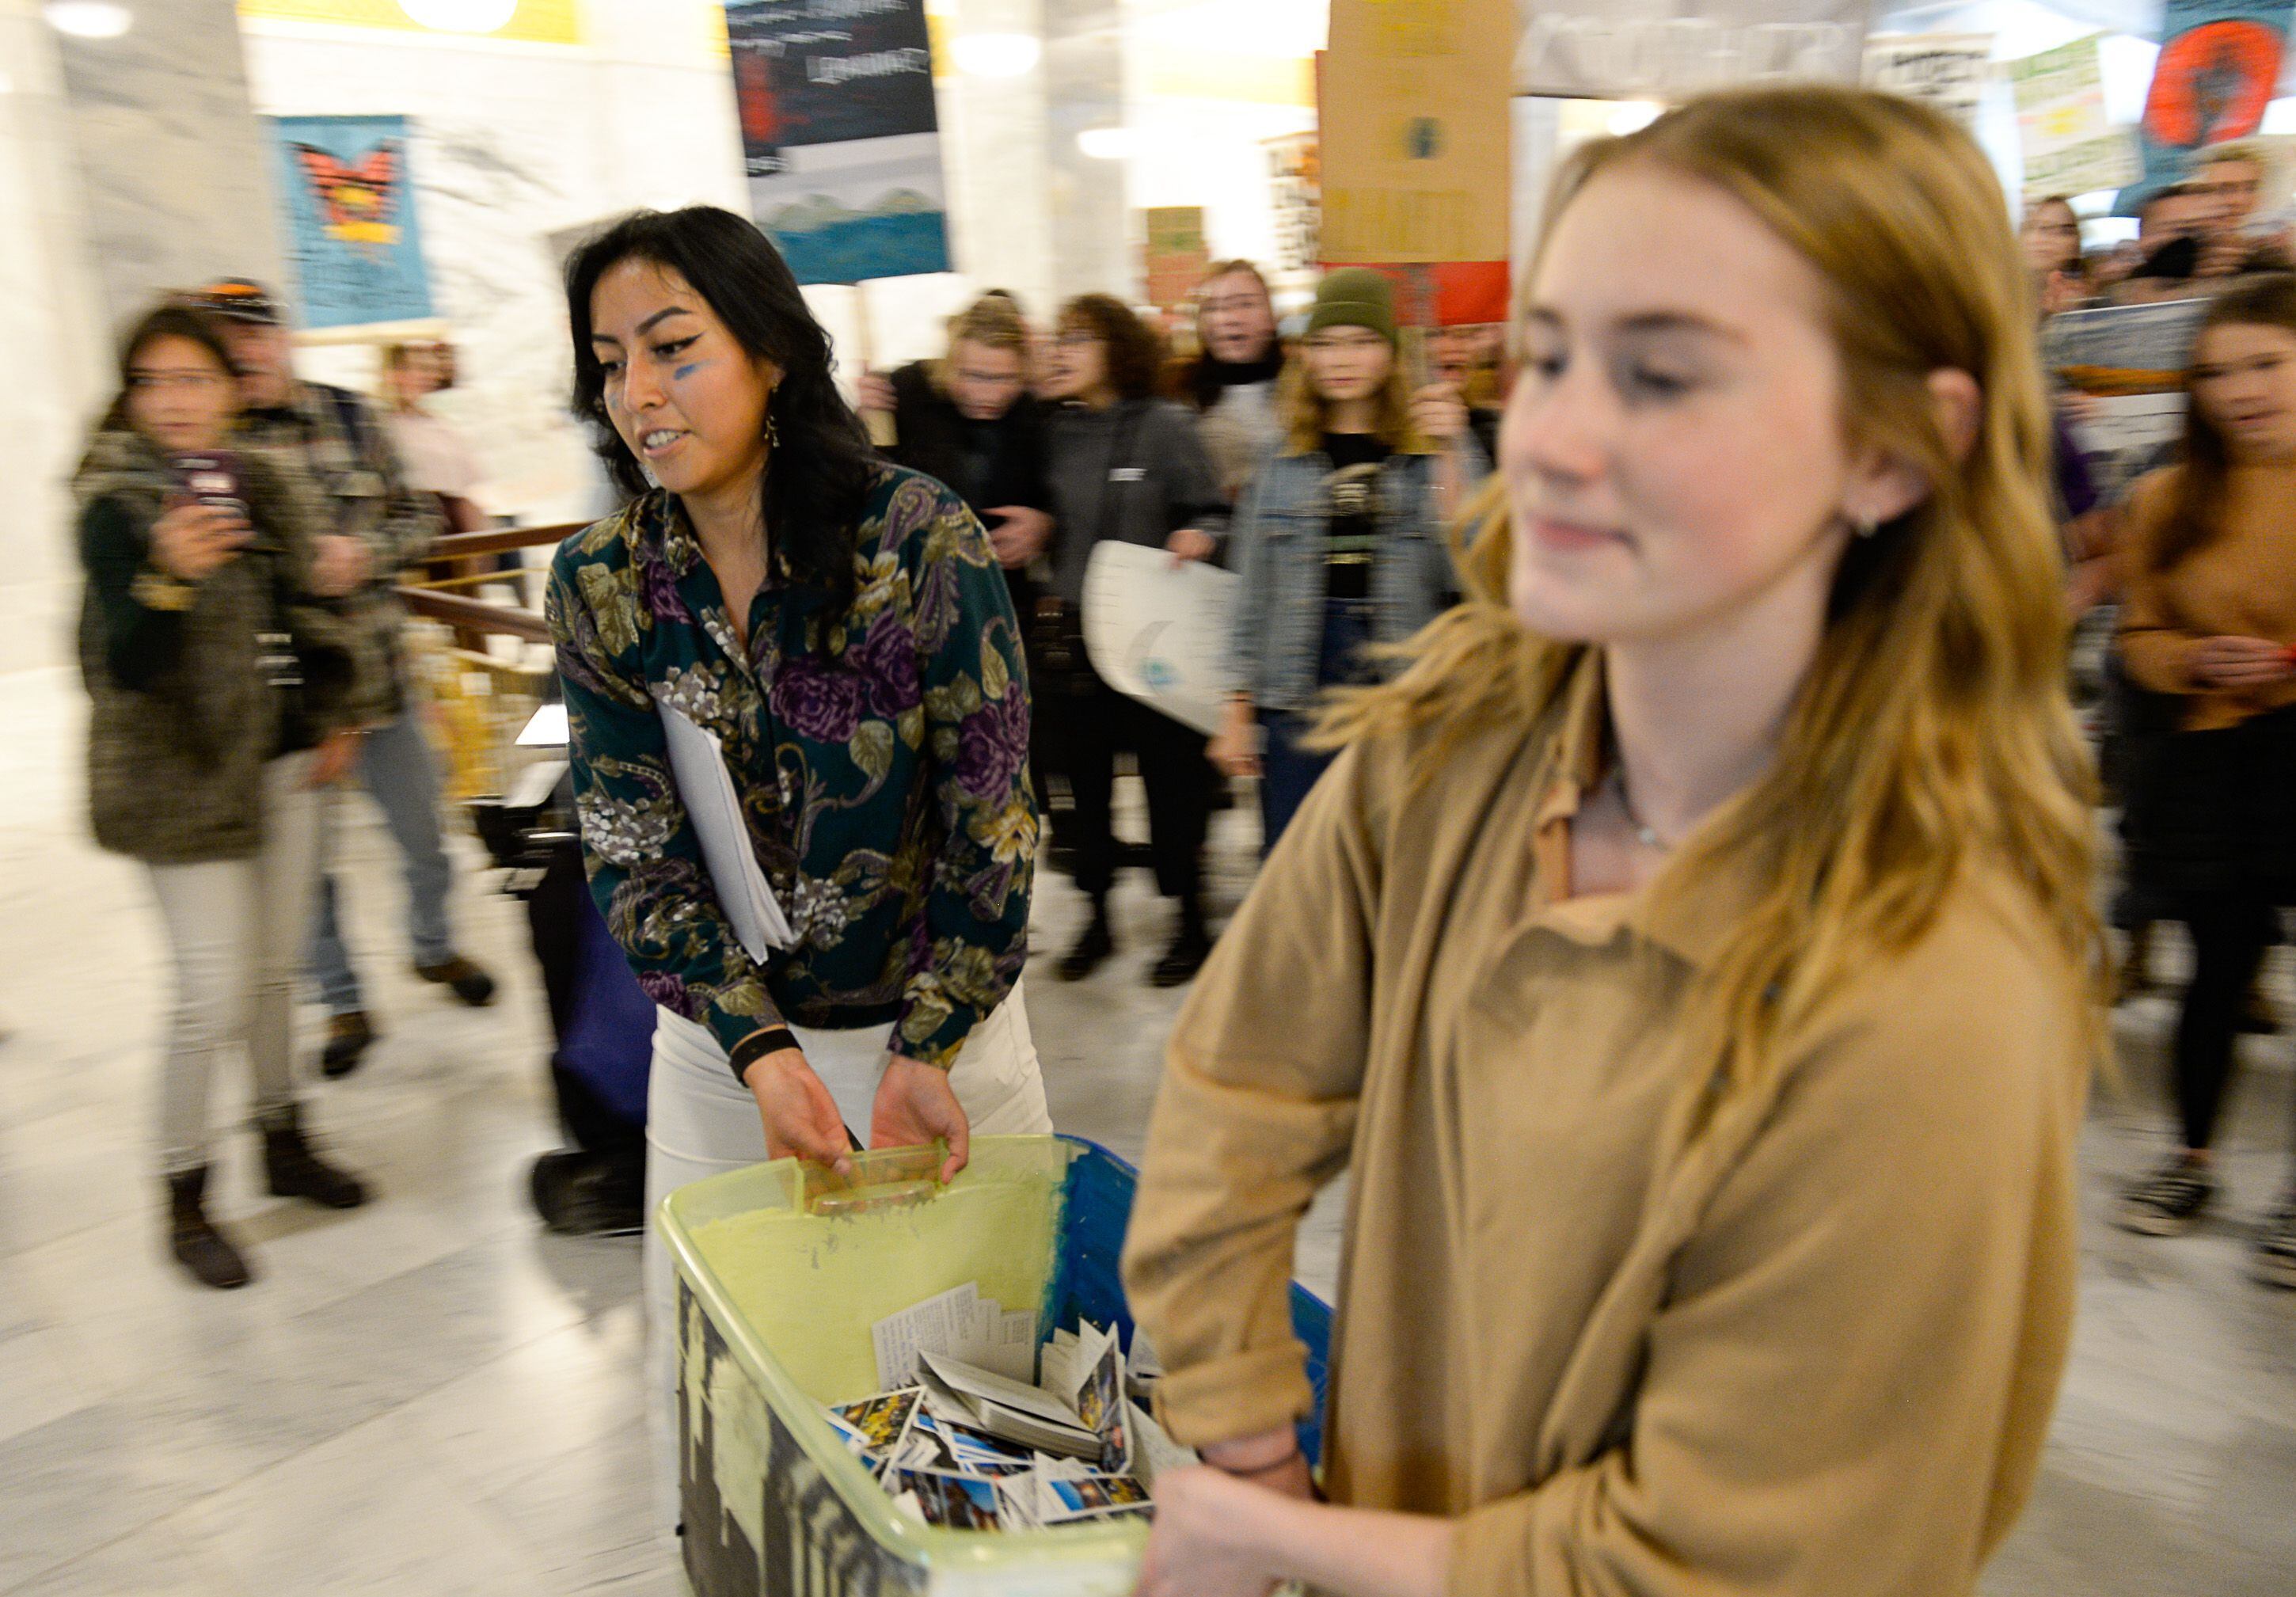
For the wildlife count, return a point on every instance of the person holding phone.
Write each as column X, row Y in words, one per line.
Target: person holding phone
column 2210, row 623
column 1689, row 959
column 221, row 684
column 1341, row 538
column 1127, row 467
column 840, row 627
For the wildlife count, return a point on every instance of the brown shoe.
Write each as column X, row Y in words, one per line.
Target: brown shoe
column 471, row 983
column 198, row 1246
column 348, row 1036
column 294, row 1169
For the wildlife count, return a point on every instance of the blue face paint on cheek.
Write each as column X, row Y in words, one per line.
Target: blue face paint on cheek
column 687, row 370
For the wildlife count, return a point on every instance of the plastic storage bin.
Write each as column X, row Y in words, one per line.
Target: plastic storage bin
column 773, row 1318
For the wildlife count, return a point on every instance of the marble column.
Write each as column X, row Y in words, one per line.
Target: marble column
column 50, row 317
column 174, row 176
column 1094, row 249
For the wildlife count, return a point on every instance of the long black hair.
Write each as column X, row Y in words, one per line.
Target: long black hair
column 2198, row 491
column 822, row 463
column 170, row 319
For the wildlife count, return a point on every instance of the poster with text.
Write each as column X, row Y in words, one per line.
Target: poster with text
column 1295, row 173
column 1175, row 255
column 1945, row 71
column 1670, row 49
column 349, row 222
column 2130, row 360
column 2218, row 67
column 2069, row 146
column 839, row 137
column 1417, row 132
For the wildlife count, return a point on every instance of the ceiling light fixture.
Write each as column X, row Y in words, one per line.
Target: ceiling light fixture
column 996, row 54
column 1108, row 143
column 1632, row 116
column 88, row 19
column 461, row 16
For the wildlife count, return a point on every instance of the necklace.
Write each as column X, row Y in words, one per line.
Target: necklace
column 1645, row 833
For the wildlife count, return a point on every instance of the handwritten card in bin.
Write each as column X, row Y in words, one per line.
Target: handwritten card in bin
column 961, row 1324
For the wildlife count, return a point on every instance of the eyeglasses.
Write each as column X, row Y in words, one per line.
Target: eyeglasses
column 194, row 382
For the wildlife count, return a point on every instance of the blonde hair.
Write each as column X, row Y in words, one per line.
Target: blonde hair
column 994, row 320
column 1934, row 727
column 1302, row 411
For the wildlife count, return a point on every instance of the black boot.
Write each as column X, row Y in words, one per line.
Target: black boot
column 295, row 1169
column 1192, row 945
column 198, row 1246
column 1091, row 950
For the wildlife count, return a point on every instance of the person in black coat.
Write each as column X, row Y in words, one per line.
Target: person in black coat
column 969, row 421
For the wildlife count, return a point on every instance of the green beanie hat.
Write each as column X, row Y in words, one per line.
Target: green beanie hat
column 1355, row 297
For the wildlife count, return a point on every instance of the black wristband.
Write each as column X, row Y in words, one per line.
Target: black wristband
column 754, row 1047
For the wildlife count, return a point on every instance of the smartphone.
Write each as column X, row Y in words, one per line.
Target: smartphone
column 212, row 477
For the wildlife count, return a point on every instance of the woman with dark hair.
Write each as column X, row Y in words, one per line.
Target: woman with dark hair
column 2211, row 621
column 1127, row 467
column 220, row 689
column 778, row 609
column 2051, row 236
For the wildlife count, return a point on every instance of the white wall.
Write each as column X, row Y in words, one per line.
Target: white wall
column 512, row 143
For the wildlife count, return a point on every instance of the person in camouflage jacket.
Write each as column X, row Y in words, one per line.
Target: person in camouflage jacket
column 382, row 524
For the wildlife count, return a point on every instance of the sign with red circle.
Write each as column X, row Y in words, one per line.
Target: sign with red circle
column 2212, row 83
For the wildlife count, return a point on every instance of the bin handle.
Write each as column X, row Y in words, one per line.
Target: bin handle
column 886, row 1178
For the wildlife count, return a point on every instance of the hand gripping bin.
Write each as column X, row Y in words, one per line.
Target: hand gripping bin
column 778, row 1285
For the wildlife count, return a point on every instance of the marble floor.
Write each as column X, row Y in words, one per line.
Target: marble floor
column 432, row 1396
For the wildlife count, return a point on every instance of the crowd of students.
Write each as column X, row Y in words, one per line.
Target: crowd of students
column 1315, row 471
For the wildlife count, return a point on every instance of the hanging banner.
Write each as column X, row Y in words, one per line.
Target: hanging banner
column 1668, row 49
column 1416, row 134
column 2218, row 65
column 1945, row 71
column 348, row 205
column 839, row 135
column 2069, row 146
column 1175, row 255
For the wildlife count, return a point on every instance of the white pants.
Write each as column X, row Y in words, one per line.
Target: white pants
column 701, row 1121
column 236, row 929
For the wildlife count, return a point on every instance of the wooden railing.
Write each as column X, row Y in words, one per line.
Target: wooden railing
column 435, row 600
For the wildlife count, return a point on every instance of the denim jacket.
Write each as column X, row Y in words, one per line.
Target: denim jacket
column 1277, row 544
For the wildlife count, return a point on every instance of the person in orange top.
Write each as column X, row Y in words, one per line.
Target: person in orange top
column 1690, row 956
column 2210, row 620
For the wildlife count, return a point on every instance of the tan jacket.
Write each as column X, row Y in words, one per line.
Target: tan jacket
column 1810, row 1354
column 2241, row 584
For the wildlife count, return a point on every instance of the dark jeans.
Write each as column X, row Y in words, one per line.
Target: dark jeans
column 1287, row 770
column 1286, row 774
column 2230, row 934
column 1099, row 725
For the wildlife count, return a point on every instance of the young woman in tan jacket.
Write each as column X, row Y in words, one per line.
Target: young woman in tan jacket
column 2209, row 625
column 1690, row 956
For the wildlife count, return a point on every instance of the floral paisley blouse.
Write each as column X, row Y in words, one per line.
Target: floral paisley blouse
column 882, row 759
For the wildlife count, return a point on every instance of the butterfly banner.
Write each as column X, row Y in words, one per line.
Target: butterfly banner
column 351, row 228
column 2218, row 67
